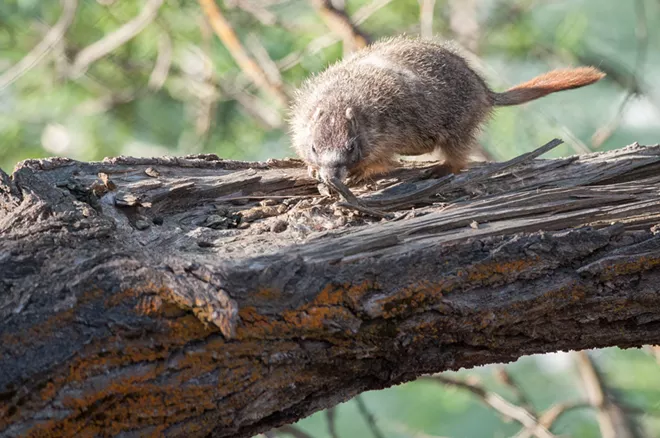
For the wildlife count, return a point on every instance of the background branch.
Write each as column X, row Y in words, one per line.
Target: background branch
column 368, row 418
column 641, row 33
column 499, row 404
column 426, row 12
column 52, row 38
column 116, row 39
column 226, row 34
column 611, row 419
column 340, row 23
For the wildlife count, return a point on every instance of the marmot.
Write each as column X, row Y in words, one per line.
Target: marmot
column 402, row 96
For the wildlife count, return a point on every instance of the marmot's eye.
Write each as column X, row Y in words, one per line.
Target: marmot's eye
column 313, row 148
column 350, row 146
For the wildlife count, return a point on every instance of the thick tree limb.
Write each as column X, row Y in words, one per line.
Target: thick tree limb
column 203, row 297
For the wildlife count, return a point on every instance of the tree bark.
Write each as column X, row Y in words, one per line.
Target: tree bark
column 197, row 296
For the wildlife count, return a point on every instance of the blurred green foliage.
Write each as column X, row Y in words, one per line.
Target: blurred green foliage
column 425, row 409
column 201, row 108
column 110, row 110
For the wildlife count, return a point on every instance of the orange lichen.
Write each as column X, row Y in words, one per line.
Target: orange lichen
column 267, row 294
column 148, row 305
column 148, row 405
column 48, row 392
column 489, row 273
column 413, row 297
column 315, row 318
column 328, row 305
column 616, row 268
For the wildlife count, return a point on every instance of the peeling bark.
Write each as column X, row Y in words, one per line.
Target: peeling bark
column 197, row 296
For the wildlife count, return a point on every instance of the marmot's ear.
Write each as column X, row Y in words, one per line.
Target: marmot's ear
column 317, row 113
column 350, row 115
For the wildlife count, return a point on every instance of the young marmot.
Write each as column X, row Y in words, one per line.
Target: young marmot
column 402, row 96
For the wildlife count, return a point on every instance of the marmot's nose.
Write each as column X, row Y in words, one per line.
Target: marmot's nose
column 328, row 173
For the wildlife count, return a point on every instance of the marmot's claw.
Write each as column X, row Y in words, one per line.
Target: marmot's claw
column 313, row 173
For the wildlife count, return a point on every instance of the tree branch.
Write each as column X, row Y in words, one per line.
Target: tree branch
column 368, row 418
column 611, row 418
column 340, row 23
column 324, row 41
column 197, row 296
column 45, row 46
column 253, row 70
column 116, row 39
column 641, row 32
column 499, row 404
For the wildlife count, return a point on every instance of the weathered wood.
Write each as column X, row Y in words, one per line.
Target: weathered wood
column 203, row 297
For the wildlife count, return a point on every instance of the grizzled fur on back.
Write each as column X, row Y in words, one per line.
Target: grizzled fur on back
column 408, row 96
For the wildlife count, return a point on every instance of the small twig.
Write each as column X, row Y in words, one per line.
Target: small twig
column 464, row 23
column 495, row 401
column 294, row 431
column 604, row 132
column 366, row 210
column 242, row 198
column 116, row 39
column 449, row 183
column 205, row 107
column 330, row 415
column 293, row 59
column 263, row 15
column 366, row 11
column 653, row 350
column 322, row 42
column 642, row 34
column 252, row 69
column 261, row 54
column 340, row 23
column 45, row 46
column 252, row 105
column 611, row 419
column 503, row 375
column 406, row 431
column 426, row 9
column 368, row 417
column 550, row 416
column 163, row 62
column 352, row 201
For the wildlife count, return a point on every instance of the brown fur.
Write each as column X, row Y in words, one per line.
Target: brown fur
column 402, row 96
column 551, row 82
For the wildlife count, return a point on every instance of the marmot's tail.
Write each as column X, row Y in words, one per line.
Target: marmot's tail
column 551, row 82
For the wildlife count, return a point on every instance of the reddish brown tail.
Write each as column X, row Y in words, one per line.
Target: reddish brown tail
column 551, row 82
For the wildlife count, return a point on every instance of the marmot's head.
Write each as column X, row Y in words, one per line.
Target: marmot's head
column 335, row 145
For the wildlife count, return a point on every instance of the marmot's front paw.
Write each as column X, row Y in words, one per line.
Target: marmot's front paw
column 313, row 173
